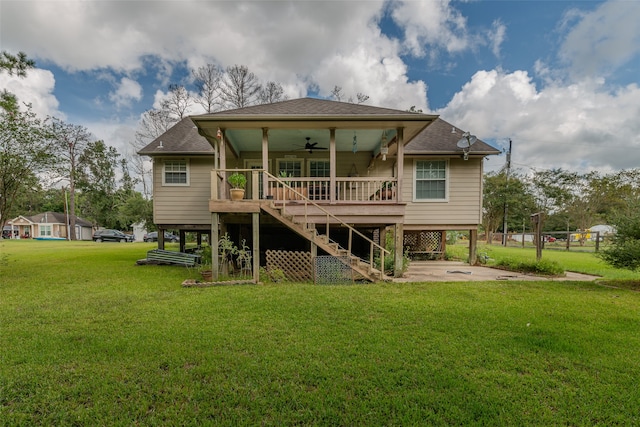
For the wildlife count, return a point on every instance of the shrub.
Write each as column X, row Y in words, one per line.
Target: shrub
column 542, row 267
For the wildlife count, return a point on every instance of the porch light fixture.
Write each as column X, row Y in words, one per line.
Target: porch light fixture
column 354, row 146
column 384, row 149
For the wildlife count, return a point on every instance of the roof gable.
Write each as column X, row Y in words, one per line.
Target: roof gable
column 438, row 138
column 181, row 138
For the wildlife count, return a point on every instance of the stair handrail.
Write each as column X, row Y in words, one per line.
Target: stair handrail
column 329, row 215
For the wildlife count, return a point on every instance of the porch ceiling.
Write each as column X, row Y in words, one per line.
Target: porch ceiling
column 295, row 139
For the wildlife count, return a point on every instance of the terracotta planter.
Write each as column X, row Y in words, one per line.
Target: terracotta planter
column 237, row 193
column 207, row 275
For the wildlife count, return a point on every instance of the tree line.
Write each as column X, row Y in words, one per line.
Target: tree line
column 568, row 201
column 50, row 165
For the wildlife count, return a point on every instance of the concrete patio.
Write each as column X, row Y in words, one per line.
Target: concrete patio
column 455, row 271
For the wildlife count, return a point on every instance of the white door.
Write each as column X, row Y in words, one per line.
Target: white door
column 254, row 164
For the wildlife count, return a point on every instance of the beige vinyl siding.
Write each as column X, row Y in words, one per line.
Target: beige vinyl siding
column 463, row 205
column 183, row 204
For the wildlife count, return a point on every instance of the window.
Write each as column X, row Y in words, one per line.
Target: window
column 45, row 230
column 319, row 168
column 431, row 180
column 176, row 172
column 291, row 167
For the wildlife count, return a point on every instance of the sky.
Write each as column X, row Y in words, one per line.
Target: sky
column 557, row 78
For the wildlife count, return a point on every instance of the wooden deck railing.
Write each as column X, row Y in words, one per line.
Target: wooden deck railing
column 298, row 190
column 345, row 189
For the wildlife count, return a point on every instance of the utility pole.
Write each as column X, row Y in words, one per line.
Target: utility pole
column 506, row 209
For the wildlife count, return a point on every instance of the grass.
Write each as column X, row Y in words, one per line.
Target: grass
column 88, row 338
column 579, row 262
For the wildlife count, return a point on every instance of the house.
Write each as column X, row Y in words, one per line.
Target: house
column 322, row 176
column 48, row 225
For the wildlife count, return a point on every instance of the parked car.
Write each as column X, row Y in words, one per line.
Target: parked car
column 108, row 235
column 153, row 237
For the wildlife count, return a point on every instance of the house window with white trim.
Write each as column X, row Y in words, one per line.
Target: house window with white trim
column 431, row 180
column 292, row 167
column 45, row 230
column 175, row 172
column 319, row 168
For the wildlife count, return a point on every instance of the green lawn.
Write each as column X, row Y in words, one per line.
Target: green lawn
column 89, row 338
column 576, row 261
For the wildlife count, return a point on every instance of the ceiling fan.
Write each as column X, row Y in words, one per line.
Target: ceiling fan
column 310, row 146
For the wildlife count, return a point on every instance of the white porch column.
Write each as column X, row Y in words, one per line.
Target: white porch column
column 265, row 159
column 223, row 164
column 400, row 163
column 332, row 163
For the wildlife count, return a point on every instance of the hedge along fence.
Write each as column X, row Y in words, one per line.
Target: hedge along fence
column 584, row 241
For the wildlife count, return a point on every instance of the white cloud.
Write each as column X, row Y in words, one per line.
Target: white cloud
column 578, row 127
column 602, row 40
column 35, row 89
column 496, row 37
column 434, row 24
column 317, row 45
column 127, row 91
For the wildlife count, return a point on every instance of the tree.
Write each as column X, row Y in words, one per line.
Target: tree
column 337, row 94
column 153, row 124
column 16, row 64
column 625, row 250
column 69, row 142
column 24, row 151
column 498, row 191
column 271, row 92
column 177, row 102
column 96, row 179
column 136, row 209
column 207, row 82
column 239, row 87
column 551, row 191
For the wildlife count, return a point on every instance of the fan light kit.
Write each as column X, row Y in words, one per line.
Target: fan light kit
column 310, row 146
column 384, row 149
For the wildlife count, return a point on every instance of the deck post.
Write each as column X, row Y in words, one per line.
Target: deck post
column 215, row 234
column 400, row 163
column 473, row 245
column 256, row 246
column 399, row 250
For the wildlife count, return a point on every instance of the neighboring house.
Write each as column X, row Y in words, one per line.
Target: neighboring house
column 316, row 167
column 49, row 225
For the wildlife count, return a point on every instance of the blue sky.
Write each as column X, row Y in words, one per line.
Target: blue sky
column 559, row 78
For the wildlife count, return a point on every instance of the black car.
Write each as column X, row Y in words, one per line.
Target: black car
column 168, row 237
column 108, row 235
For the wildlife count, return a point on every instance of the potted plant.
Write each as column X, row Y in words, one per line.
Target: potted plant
column 237, row 181
column 387, row 189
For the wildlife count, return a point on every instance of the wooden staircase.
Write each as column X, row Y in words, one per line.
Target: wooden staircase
column 308, row 231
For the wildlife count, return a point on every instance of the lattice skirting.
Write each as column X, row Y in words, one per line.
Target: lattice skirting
column 296, row 266
column 424, row 242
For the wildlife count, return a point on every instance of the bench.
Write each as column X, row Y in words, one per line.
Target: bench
column 159, row 256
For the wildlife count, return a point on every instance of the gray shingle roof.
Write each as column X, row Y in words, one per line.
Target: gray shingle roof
column 437, row 138
column 57, row 218
column 311, row 107
column 181, row 138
